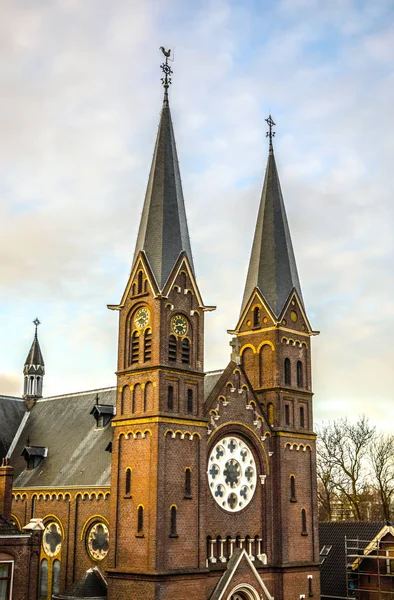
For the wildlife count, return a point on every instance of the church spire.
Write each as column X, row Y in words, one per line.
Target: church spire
column 34, row 369
column 163, row 234
column 272, row 266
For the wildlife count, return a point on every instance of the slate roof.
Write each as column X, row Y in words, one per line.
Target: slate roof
column 333, row 568
column 76, row 449
column 92, row 585
column 35, row 355
column 8, row 528
column 272, row 266
column 163, row 232
column 11, row 412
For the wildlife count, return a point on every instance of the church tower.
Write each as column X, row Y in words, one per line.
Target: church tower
column 158, row 479
column 273, row 336
column 33, row 371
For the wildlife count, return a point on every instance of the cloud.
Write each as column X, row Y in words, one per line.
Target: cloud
column 78, row 120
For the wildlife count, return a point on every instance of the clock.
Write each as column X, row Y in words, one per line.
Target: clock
column 179, row 325
column 232, row 474
column 141, row 318
column 97, row 541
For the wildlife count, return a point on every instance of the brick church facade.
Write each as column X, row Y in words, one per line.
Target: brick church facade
column 176, row 483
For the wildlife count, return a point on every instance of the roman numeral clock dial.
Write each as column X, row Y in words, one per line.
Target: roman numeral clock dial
column 141, row 318
column 179, row 325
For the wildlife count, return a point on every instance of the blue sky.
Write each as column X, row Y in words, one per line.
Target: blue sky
column 79, row 111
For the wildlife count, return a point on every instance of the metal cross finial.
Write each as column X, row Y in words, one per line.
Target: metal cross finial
column 270, row 133
column 36, row 323
column 236, row 346
column 165, row 67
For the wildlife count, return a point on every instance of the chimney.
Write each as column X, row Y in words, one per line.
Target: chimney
column 6, row 480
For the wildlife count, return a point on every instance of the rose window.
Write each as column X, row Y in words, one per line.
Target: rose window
column 52, row 538
column 98, row 541
column 232, row 473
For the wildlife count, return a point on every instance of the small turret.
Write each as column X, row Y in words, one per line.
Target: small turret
column 33, row 371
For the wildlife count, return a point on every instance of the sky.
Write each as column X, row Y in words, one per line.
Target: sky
column 79, row 109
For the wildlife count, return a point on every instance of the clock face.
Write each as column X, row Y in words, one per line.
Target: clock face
column 141, row 318
column 179, row 325
column 232, row 474
column 98, row 541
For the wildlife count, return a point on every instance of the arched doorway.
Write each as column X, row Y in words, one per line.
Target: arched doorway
column 244, row 592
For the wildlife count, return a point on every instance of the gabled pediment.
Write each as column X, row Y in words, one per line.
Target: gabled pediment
column 240, row 574
column 293, row 315
column 140, row 265
column 267, row 316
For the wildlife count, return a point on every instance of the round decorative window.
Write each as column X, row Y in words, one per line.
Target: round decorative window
column 97, row 541
column 232, row 474
column 52, row 538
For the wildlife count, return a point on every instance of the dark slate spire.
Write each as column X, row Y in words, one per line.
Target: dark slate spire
column 272, row 266
column 163, row 232
column 34, row 369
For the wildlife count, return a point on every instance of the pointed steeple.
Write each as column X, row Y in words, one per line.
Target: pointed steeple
column 272, row 266
column 34, row 368
column 163, row 234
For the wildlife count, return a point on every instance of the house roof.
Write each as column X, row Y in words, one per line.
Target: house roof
column 76, row 448
column 8, row 528
column 92, row 585
column 11, row 412
column 333, row 560
column 163, row 234
column 272, row 265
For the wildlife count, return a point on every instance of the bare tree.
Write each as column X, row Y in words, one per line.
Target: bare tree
column 342, row 450
column 381, row 456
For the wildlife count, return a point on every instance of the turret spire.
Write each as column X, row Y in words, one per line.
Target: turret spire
column 163, row 234
column 272, row 266
column 34, row 369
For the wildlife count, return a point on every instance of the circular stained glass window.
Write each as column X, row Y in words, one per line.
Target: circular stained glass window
column 232, row 473
column 97, row 541
column 52, row 538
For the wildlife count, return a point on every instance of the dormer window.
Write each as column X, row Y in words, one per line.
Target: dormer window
column 33, row 456
column 103, row 414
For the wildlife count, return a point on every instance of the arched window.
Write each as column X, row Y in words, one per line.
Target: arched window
column 270, row 410
column 302, row 417
column 135, row 347
column 172, row 348
column 188, row 483
column 292, row 489
column 139, row 282
column 147, row 345
column 303, row 522
column 133, row 288
column 44, row 578
column 256, row 316
column 128, row 483
column 300, row 377
column 145, row 285
column 173, row 512
column 55, row 576
column 287, row 414
column 140, row 520
column 185, row 351
column 183, row 280
column 189, row 401
column 287, row 371
column 170, row 397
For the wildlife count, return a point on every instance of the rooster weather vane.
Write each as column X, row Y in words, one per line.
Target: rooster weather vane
column 165, row 67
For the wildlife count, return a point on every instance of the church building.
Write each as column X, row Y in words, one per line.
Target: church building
column 176, row 483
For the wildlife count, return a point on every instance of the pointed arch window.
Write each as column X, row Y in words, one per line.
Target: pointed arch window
column 135, row 347
column 287, row 371
column 185, row 351
column 256, row 316
column 139, row 282
column 173, row 528
column 147, row 345
column 172, row 348
column 188, row 483
column 170, row 397
column 292, row 489
column 128, row 483
column 44, row 578
column 303, row 522
column 56, row 576
column 140, row 520
column 300, row 374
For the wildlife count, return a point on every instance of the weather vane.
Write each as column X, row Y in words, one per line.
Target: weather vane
column 270, row 133
column 165, row 67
